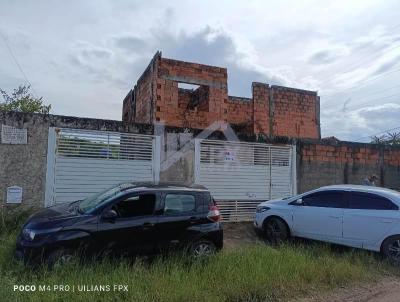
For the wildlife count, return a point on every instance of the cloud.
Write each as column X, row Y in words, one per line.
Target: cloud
column 362, row 123
column 386, row 66
column 323, row 57
column 130, row 43
column 83, row 57
column 217, row 47
column 207, row 46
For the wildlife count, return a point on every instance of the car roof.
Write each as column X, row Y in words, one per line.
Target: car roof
column 161, row 186
column 360, row 188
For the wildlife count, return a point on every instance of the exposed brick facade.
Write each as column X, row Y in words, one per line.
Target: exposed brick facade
column 272, row 110
column 325, row 163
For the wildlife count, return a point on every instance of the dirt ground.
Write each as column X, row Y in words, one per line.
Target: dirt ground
column 237, row 234
column 385, row 290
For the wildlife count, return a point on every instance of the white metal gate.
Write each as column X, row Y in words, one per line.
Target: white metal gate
column 83, row 162
column 241, row 174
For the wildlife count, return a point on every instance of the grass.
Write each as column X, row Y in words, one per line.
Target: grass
column 255, row 273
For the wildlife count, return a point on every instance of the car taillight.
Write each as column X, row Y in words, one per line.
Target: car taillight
column 214, row 214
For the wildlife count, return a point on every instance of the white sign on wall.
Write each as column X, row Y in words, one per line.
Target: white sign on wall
column 12, row 135
column 14, row 194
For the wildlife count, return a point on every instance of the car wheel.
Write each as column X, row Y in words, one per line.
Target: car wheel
column 202, row 248
column 391, row 249
column 275, row 230
column 60, row 257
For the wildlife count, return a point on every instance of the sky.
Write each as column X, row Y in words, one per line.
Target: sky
column 84, row 56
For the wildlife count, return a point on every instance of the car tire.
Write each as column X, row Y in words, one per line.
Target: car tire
column 202, row 249
column 60, row 257
column 275, row 230
column 391, row 249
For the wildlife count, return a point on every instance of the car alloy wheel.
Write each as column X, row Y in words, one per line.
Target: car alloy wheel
column 203, row 249
column 393, row 250
column 276, row 231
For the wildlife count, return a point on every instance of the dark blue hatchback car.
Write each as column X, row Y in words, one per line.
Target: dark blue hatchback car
column 130, row 218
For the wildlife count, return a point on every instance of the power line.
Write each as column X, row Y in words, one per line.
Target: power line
column 367, row 80
column 16, row 63
column 369, row 93
column 368, row 58
column 378, row 91
column 360, row 63
column 371, row 79
column 369, row 101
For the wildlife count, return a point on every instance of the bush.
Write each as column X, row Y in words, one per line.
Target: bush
column 12, row 218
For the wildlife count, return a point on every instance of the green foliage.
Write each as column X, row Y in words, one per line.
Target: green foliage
column 22, row 100
column 12, row 218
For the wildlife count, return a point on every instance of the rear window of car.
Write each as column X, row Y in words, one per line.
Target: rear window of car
column 179, row 203
column 368, row 201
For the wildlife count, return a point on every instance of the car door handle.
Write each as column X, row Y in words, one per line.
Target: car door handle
column 386, row 221
column 333, row 216
column 148, row 225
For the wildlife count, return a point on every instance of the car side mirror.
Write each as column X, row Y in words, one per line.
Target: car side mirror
column 299, row 202
column 110, row 215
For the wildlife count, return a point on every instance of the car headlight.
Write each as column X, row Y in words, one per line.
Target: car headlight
column 28, row 234
column 261, row 209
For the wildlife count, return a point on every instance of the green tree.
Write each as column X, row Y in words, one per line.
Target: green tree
column 22, row 100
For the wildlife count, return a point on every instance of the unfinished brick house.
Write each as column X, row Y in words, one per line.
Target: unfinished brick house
column 273, row 110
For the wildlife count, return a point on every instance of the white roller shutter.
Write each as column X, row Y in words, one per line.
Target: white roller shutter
column 281, row 172
column 81, row 162
column 240, row 174
column 233, row 170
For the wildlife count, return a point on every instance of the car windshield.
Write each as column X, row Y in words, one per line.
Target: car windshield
column 93, row 201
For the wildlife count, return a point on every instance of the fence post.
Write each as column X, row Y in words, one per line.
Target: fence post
column 49, row 198
column 236, row 211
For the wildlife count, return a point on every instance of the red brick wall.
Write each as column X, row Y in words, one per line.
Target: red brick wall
column 261, row 113
column 144, row 98
column 323, row 163
column 294, row 113
column 368, row 154
column 127, row 110
column 240, row 110
column 273, row 110
column 173, row 107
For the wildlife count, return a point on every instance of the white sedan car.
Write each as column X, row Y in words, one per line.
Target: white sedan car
column 357, row 216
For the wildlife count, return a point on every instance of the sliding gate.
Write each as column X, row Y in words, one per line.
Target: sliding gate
column 82, row 162
column 240, row 175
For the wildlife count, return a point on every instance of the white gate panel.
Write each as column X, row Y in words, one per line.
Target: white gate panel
column 233, row 170
column 235, row 182
column 240, row 175
column 77, row 178
column 86, row 162
column 281, row 172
